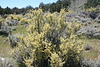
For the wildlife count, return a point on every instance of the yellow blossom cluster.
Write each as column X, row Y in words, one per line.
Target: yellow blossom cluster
column 50, row 41
column 14, row 17
column 23, row 21
column 90, row 9
column 1, row 19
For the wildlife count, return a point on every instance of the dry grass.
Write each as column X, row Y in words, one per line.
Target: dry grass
column 95, row 51
column 20, row 30
column 98, row 26
column 95, row 44
column 5, row 49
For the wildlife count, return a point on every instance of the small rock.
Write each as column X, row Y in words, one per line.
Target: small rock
column 95, row 25
column 97, row 35
column 87, row 47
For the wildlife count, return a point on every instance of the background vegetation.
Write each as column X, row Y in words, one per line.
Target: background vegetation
column 48, row 37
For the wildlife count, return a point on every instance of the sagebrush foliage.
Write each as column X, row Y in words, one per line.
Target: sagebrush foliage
column 7, row 62
column 50, row 41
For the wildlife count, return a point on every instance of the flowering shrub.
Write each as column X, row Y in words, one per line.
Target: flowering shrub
column 1, row 20
column 23, row 21
column 14, row 17
column 9, row 17
column 50, row 41
column 18, row 17
column 91, row 9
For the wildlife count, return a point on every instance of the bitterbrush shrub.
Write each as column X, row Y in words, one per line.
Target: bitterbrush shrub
column 23, row 21
column 90, row 9
column 14, row 17
column 29, row 15
column 10, row 17
column 17, row 17
column 93, row 12
column 1, row 20
column 49, row 42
